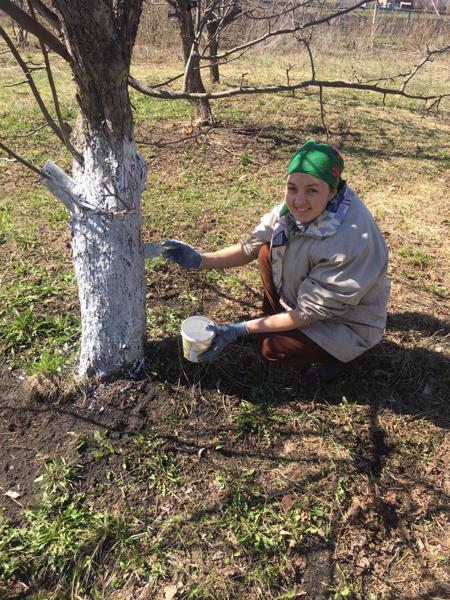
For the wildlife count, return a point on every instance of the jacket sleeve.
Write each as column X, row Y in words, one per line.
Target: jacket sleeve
column 339, row 282
column 262, row 234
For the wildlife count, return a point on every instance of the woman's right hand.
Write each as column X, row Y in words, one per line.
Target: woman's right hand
column 183, row 254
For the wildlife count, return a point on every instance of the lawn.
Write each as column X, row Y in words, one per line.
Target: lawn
column 233, row 480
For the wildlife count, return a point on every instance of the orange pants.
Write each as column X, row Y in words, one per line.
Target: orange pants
column 292, row 347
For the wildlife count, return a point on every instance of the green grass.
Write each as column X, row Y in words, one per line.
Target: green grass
column 62, row 537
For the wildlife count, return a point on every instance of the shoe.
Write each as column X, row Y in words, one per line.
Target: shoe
column 325, row 372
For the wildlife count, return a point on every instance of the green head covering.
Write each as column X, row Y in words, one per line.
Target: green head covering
column 320, row 160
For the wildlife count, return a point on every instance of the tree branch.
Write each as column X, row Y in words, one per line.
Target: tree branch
column 287, row 30
column 427, row 58
column 47, row 14
column 60, row 185
column 311, row 59
column 270, row 89
column 322, row 112
column 21, row 160
column 51, row 81
column 29, row 24
column 37, row 95
column 291, row 9
column 154, row 86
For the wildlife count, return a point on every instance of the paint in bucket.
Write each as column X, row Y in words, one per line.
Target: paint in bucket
column 196, row 338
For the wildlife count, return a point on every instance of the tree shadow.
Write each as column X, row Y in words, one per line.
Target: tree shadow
column 350, row 140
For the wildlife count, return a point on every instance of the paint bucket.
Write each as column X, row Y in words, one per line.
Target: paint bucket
column 196, row 338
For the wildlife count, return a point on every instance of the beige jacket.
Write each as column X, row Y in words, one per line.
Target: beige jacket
column 338, row 282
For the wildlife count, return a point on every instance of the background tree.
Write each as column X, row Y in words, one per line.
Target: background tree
column 254, row 25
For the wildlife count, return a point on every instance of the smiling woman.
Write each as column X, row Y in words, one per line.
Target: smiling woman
column 323, row 263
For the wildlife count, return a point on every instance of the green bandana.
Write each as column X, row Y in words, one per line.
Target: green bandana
column 319, row 160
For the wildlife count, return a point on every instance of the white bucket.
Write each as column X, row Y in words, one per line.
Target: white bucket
column 196, row 338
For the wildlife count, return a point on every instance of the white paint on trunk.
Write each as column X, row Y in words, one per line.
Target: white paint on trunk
column 107, row 252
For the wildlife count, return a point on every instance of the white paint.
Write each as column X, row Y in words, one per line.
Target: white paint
column 105, row 202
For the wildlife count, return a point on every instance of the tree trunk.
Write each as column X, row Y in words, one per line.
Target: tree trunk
column 108, row 256
column 213, row 45
column 200, row 107
column 104, row 195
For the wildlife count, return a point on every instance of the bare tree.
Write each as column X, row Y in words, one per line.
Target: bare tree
column 104, row 193
column 190, row 40
column 218, row 17
column 296, row 19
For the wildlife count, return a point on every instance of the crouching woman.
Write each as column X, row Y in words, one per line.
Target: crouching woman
column 323, row 263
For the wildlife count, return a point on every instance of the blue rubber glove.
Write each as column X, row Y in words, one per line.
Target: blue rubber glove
column 223, row 336
column 184, row 255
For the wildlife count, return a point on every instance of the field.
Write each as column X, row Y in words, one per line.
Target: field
column 231, row 480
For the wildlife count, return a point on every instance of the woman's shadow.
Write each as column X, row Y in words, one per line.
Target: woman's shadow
column 408, row 372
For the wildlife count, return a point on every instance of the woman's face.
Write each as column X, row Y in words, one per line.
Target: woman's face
column 307, row 196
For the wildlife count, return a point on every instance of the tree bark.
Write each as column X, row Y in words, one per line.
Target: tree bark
column 104, row 195
column 201, row 108
column 213, row 45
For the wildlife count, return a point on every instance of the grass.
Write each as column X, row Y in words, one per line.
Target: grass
column 62, row 538
column 239, row 480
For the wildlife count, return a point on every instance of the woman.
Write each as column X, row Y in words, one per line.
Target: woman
column 323, row 262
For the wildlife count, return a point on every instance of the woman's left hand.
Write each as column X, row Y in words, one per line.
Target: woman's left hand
column 224, row 335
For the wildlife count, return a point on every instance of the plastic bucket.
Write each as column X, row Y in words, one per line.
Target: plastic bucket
column 196, row 338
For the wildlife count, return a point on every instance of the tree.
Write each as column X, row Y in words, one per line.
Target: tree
column 262, row 22
column 190, row 39
column 104, row 193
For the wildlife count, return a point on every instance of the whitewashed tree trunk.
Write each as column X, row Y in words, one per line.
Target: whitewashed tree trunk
column 104, row 194
column 105, row 204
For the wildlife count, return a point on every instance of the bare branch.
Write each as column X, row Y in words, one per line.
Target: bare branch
column 63, row 187
column 154, row 86
column 322, row 112
column 311, row 59
column 243, row 76
column 11, row 85
column 168, row 81
column 287, row 30
column 37, row 95
column 427, row 58
column 270, row 89
column 21, row 160
column 29, row 24
column 60, row 185
column 47, row 14
column 232, row 11
column 32, row 132
column 291, row 9
column 51, row 81
column 288, row 81
column 381, row 79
